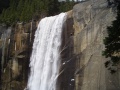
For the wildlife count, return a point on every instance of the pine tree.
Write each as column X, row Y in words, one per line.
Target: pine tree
column 24, row 10
column 53, row 6
column 112, row 44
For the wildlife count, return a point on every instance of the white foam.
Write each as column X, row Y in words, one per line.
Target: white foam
column 45, row 58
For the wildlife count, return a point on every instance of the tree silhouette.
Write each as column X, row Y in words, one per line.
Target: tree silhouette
column 112, row 44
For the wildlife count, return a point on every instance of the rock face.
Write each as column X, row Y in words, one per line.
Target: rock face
column 67, row 56
column 4, row 43
column 91, row 19
column 16, row 53
column 82, row 66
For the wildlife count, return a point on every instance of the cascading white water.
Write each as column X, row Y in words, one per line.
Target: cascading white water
column 45, row 58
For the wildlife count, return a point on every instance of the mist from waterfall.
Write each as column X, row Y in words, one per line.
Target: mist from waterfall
column 45, row 58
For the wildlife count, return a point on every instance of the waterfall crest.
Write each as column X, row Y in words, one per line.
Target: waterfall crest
column 45, row 58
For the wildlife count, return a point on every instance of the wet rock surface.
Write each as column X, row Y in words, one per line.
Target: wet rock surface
column 66, row 78
column 16, row 54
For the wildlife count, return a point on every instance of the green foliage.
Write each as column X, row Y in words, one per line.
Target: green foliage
column 112, row 44
column 24, row 10
column 65, row 6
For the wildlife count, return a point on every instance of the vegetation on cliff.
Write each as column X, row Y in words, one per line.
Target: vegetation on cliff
column 4, row 4
column 24, row 10
column 112, row 44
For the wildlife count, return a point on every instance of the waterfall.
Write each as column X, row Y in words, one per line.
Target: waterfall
column 45, row 58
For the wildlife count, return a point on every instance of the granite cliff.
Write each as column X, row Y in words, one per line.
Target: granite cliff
column 15, row 55
column 91, row 19
column 82, row 45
